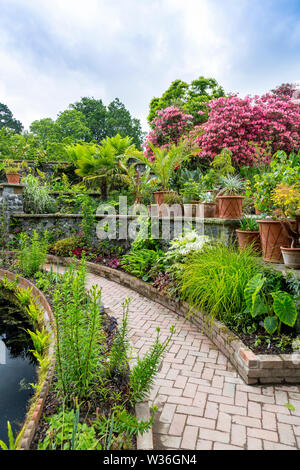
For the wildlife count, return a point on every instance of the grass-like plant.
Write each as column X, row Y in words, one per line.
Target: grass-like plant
column 248, row 224
column 33, row 253
column 214, row 280
column 37, row 199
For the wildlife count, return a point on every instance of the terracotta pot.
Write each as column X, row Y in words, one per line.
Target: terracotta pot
column 273, row 236
column 13, row 178
column 230, row 207
column 247, row 238
column 217, row 207
column 160, row 196
column 257, row 212
column 207, row 210
column 291, row 257
column 153, row 210
column 190, row 210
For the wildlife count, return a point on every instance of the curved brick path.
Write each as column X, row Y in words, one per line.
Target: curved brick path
column 202, row 401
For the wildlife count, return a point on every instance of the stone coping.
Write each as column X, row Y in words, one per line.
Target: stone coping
column 254, row 369
column 11, row 185
column 39, row 398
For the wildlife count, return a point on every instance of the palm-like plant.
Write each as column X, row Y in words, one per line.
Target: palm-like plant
column 100, row 161
column 165, row 161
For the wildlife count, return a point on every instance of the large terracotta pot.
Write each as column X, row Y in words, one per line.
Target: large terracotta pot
column 273, row 236
column 160, row 196
column 291, row 257
column 247, row 238
column 13, row 178
column 230, row 207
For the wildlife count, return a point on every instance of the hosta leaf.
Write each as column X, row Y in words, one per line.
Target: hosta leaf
column 255, row 303
column 285, row 308
column 271, row 324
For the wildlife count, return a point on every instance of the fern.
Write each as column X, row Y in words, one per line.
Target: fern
column 143, row 373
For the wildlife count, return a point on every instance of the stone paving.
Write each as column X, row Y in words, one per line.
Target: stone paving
column 202, row 402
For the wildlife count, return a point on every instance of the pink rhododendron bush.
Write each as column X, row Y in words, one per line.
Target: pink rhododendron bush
column 167, row 128
column 253, row 128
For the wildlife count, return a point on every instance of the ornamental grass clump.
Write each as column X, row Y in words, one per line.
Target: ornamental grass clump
column 214, row 279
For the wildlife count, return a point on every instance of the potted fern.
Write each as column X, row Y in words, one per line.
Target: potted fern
column 248, row 234
column 190, row 194
column 230, row 198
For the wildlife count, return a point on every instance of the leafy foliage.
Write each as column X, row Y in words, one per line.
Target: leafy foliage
column 189, row 98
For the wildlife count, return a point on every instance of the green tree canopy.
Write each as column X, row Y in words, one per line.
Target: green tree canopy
column 95, row 114
column 7, row 120
column 188, row 97
column 46, row 129
column 72, row 123
column 90, row 120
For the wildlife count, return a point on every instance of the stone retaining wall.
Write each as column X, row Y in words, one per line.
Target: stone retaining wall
column 64, row 225
column 254, row 369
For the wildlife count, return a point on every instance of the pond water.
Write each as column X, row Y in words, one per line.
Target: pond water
column 17, row 368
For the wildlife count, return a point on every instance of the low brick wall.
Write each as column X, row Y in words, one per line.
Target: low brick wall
column 254, row 369
column 34, row 414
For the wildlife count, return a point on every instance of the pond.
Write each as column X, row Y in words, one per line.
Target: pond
column 17, row 367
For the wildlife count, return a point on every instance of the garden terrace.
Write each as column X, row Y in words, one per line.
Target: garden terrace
column 64, row 225
column 202, row 402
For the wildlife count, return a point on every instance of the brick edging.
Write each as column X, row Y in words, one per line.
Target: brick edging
column 35, row 411
column 254, row 369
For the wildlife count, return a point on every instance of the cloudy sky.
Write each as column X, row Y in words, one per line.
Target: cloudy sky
column 53, row 52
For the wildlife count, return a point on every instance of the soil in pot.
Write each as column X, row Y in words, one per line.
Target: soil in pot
column 291, row 257
column 248, row 238
column 273, row 236
column 230, row 207
column 13, row 178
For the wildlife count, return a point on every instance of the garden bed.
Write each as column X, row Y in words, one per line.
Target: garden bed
column 254, row 368
column 48, row 403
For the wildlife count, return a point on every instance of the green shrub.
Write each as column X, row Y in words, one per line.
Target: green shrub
column 65, row 246
column 37, row 199
column 33, row 253
column 214, row 280
column 140, row 262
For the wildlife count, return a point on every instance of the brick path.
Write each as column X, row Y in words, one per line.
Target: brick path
column 202, row 401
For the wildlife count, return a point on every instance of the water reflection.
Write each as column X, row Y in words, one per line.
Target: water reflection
column 17, row 367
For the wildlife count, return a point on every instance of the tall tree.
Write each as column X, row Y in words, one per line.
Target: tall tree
column 72, row 123
column 7, row 119
column 119, row 121
column 189, row 98
column 95, row 114
column 46, row 129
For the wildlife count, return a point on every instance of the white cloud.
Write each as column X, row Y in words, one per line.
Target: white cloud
column 54, row 52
